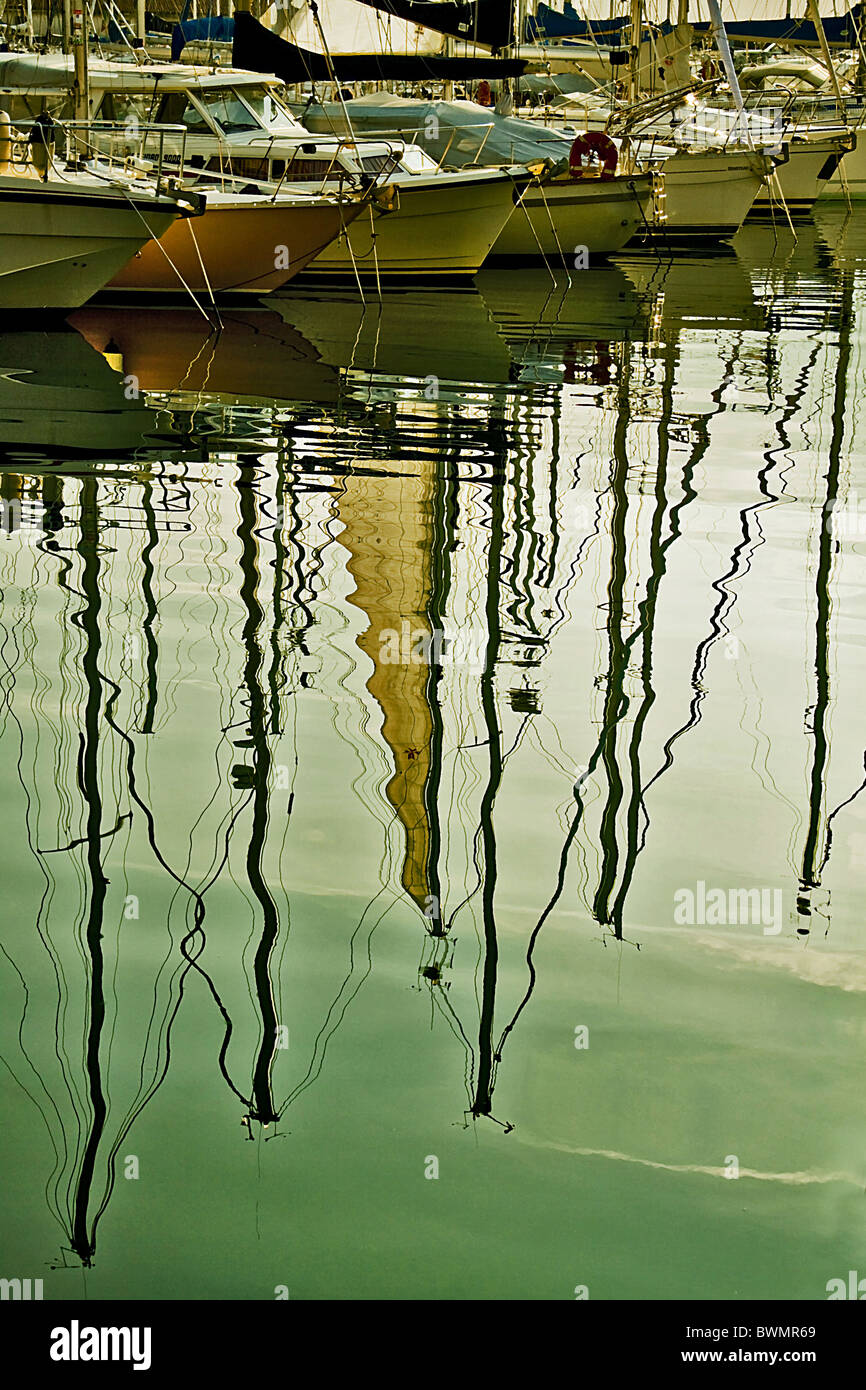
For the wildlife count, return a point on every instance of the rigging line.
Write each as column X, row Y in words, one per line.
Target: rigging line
column 522, row 205
column 314, row 10
column 191, row 231
column 161, row 248
column 555, row 233
column 375, row 254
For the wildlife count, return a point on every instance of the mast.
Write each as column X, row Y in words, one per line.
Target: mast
column 815, row 13
column 721, row 38
column 634, row 52
column 80, row 87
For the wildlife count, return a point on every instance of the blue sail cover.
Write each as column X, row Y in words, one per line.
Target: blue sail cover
column 548, row 25
column 216, row 28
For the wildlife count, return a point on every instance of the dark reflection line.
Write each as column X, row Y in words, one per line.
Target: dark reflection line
column 278, row 565
column 444, row 517
column 625, row 648
column 84, row 1234
column 810, row 876
column 547, row 578
column 615, row 701
column 482, row 1101
column 150, row 606
column 263, row 1105
column 647, row 612
column 61, row 1152
column 83, row 1227
column 739, row 565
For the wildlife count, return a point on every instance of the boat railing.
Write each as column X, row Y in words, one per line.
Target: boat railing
column 332, row 156
column 130, row 147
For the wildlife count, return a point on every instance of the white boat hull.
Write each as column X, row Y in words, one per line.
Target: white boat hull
column 801, row 179
column 561, row 220
column 849, row 180
column 59, row 245
column 445, row 225
column 708, row 195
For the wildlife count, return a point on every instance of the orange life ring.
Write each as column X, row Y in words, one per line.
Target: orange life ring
column 593, row 142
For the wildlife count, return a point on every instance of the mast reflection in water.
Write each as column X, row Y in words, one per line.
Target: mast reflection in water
column 346, row 667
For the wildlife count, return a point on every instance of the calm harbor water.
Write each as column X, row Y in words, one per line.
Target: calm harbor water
column 431, row 753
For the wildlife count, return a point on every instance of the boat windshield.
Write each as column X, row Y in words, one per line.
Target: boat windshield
column 224, row 108
column 265, row 106
column 211, row 110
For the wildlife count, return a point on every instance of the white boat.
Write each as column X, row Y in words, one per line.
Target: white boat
column 708, row 194
column 812, row 161
column 849, row 179
column 567, row 220
column 444, row 225
column 63, row 238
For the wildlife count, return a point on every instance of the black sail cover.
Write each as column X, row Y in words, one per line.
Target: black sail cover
column 257, row 49
column 488, row 22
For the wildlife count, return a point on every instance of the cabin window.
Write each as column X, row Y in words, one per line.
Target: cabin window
column 304, row 169
column 175, row 108
column 375, row 163
column 247, row 168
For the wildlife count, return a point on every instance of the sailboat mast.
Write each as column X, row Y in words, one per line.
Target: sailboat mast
column 81, row 94
column 815, row 14
column 634, row 52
